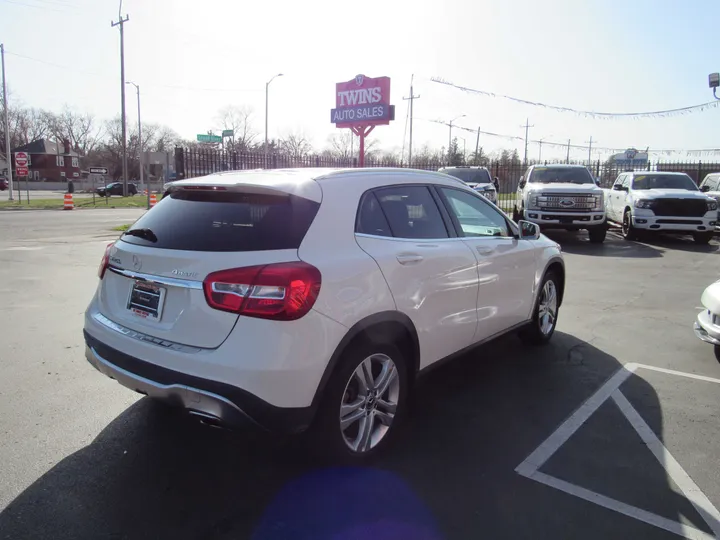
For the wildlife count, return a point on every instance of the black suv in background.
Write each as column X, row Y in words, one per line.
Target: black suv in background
column 116, row 188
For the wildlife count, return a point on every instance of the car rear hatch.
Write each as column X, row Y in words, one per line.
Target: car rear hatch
column 154, row 278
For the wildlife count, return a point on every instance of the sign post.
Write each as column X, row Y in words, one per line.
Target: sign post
column 361, row 104
column 22, row 164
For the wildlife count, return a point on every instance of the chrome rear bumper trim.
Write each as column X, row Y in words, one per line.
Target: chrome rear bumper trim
column 145, row 338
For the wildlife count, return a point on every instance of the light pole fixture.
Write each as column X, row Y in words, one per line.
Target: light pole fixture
column 714, row 82
column 450, row 135
column 267, row 86
column 140, row 145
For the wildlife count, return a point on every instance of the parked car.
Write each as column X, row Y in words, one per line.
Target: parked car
column 661, row 202
column 707, row 325
column 562, row 197
column 311, row 299
column 4, row 184
column 710, row 186
column 478, row 178
column 116, row 188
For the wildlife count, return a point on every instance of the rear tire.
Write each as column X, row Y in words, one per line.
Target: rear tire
column 628, row 231
column 597, row 235
column 717, row 353
column 544, row 320
column 356, row 420
column 703, row 238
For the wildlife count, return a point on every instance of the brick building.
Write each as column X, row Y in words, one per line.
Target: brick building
column 51, row 161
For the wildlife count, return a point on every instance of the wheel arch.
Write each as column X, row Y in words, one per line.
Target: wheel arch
column 385, row 327
column 557, row 266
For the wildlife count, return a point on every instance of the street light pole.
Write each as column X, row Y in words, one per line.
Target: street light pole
column 450, row 135
column 140, row 146
column 8, row 153
column 267, row 86
column 714, row 82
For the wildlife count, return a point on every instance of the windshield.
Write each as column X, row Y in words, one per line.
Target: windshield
column 664, row 181
column 470, row 176
column 562, row 175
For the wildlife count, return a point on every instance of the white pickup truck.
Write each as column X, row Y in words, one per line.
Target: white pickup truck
column 661, row 202
column 562, row 197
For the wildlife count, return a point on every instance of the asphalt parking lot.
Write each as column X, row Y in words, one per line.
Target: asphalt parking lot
column 609, row 432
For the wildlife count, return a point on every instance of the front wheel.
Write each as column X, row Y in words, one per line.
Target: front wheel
column 597, row 235
column 628, row 231
column 364, row 401
column 544, row 319
column 702, row 238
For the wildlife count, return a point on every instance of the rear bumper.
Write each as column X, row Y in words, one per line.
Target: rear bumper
column 705, row 329
column 212, row 401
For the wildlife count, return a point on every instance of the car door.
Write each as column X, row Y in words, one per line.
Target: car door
column 431, row 272
column 505, row 264
column 614, row 202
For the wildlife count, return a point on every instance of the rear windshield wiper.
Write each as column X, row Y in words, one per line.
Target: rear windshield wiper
column 145, row 234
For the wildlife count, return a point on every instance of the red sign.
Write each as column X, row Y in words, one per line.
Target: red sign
column 363, row 101
column 22, row 171
column 21, row 159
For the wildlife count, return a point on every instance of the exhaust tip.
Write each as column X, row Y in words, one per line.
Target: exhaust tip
column 207, row 419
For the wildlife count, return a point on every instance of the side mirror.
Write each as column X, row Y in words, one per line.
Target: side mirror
column 597, row 181
column 619, row 187
column 521, row 185
column 705, row 189
column 528, row 230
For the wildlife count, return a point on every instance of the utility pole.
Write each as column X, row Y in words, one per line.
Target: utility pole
column 8, row 153
column 527, row 127
column 567, row 160
column 477, row 147
column 450, row 135
column 267, row 87
column 540, row 151
column 590, row 151
column 121, row 23
column 412, row 98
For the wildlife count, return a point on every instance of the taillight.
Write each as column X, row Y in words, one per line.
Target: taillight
column 282, row 291
column 105, row 260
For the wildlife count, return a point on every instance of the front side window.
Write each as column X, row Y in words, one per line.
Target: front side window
column 711, row 182
column 663, row 181
column 411, row 212
column 620, row 180
column 476, row 217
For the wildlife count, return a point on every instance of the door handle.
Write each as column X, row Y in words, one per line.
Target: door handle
column 409, row 258
column 483, row 250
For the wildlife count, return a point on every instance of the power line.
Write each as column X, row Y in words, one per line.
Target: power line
column 593, row 114
column 44, row 8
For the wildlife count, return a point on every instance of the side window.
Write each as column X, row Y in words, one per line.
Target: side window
column 627, row 180
column 411, row 212
column 712, row 182
column 371, row 219
column 476, row 217
column 619, row 180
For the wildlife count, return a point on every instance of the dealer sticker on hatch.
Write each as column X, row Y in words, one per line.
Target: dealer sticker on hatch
column 146, row 300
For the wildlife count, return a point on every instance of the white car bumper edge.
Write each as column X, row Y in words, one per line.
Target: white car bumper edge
column 212, row 402
column 668, row 223
column 547, row 218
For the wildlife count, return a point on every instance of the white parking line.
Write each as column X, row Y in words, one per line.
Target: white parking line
column 611, row 389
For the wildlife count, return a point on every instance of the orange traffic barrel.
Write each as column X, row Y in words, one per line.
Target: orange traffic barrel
column 153, row 200
column 68, row 203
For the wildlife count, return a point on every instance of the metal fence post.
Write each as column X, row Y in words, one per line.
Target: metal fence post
column 699, row 174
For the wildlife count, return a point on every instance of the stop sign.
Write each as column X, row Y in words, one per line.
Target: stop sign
column 21, row 159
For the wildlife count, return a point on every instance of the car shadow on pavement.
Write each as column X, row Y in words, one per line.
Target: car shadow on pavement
column 154, row 473
column 614, row 246
column 678, row 242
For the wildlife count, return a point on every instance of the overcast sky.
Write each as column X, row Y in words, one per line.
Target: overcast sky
column 191, row 58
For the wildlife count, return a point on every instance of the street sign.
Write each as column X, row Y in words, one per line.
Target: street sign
column 22, row 171
column 98, row 170
column 22, row 159
column 209, row 138
column 228, row 133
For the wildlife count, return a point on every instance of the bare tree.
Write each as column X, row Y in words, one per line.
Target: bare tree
column 81, row 130
column 238, row 119
column 341, row 145
column 295, row 145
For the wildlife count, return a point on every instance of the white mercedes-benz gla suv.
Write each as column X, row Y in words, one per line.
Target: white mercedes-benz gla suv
column 311, row 299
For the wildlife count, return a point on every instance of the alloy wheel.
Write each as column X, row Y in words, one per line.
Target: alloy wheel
column 547, row 308
column 369, row 403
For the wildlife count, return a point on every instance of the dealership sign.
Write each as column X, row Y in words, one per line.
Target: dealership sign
column 363, row 101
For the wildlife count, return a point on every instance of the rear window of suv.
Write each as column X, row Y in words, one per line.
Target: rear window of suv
column 224, row 221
